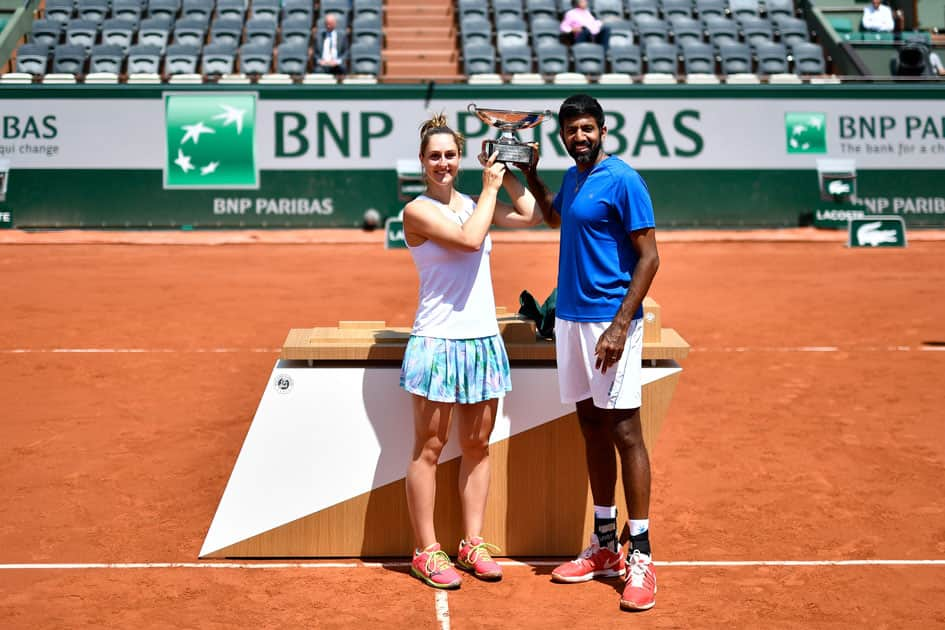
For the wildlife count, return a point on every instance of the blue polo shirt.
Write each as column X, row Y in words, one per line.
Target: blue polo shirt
column 599, row 208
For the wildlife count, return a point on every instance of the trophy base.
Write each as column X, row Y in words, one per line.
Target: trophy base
column 508, row 153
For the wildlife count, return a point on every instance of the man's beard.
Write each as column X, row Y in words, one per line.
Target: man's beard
column 585, row 158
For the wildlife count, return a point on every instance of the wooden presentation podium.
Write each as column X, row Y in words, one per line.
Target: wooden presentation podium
column 321, row 472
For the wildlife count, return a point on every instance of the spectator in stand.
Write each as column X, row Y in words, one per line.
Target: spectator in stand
column 581, row 24
column 878, row 17
column 332, row 47
column 936, row 63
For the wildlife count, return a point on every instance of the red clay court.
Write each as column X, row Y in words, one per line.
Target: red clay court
column 804, row 448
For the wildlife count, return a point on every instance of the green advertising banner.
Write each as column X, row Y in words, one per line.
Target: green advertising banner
column 712, row 156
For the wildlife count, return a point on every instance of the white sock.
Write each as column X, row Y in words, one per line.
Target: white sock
column 638, row 526
column 605, row 511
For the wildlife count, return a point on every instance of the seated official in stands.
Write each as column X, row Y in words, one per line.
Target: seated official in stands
column 581, row 24
column 878, row 17
column 331, row 45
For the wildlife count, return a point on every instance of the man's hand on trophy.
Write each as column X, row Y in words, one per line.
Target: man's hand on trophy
column 532, row 165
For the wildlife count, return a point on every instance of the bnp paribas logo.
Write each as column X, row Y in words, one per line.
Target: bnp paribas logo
column 806, row 132
column 210, row 141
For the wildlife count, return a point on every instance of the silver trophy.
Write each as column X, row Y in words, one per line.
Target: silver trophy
column 509, row 148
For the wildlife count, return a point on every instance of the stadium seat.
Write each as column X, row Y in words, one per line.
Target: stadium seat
column 191, row 31
column 511, row 23
column 144, row 59
column 356, row 79
column 48, row 32
column 589, row 58
column 32, row 58
column 621, row 33
column 101, row 78
column 808, row 58
column 721, row 30
column 791, row 30
column 514, row 39
column 473, row 8
column 673, row 8
column 772, row 58
column 298, row 10
column 478, row 59
column 275, row 78
column 292, row 58
column 742, row 78
column 686, row 29
column 218, row 58
column 625, row 60
column 226, row 30
column 255, row 58
column 779, row 7
column 163, row 9
column 319, row 78
column 702, row 78
column 185, row 79
column 365, row 59
column 59, row 78
column 569, row 78
column 661, row 58
column 705, row 8
column 144, row 78
column 341, row 22
column 70, row 58
column 484, row 79
column 652, row 29
column 537, row 8
column 735, row 58
column 341, row 9
column 368, row 9
column 756, row 29
column 698, row 58
column 515, row 60
column 260, row 30
column 658, row 78
column 130, row 10
column 106, row 58
column 367, row 29
column 545, row 31
column 553, row 59
column 527, row 78
column 787, row 78
column 230, row 10
column 507, row 9
column 296, row 31
column 181, row 59
column 608, row 10
column 615, row 78
column 744, row 7
column 81, row 32
column 59, row 10
column 637, row 8
column 198, row 9
column 476, row 30
column 155, row 31
column 92, row 10
column 119, row 32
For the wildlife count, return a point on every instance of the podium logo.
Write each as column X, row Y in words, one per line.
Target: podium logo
column 210, row 141
column 806, row 132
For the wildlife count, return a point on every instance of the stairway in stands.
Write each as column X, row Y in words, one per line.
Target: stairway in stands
column 420, row 42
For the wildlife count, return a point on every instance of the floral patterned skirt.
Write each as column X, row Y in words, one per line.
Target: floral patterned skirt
column 456, row 370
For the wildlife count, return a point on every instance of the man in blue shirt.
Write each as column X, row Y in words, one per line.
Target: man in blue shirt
column 607, row 260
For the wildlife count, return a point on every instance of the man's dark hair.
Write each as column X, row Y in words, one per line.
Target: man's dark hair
column 581, row 105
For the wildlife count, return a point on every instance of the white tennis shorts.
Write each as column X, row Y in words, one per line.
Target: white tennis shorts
column 578, row 378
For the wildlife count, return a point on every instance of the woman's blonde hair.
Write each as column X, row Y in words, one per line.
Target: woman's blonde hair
column 437, row 124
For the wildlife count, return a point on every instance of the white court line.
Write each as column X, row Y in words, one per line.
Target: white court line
column 442, row 610
column 398, row 564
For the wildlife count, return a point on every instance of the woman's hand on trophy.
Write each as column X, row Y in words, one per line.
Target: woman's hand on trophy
column 493, row 173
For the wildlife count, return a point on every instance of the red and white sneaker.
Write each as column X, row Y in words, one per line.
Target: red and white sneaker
column 474, row 557
column 593, row 562
column 639, row 593
column 433, row 566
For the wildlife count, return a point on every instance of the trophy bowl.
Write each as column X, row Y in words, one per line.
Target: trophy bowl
column 509, row 148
